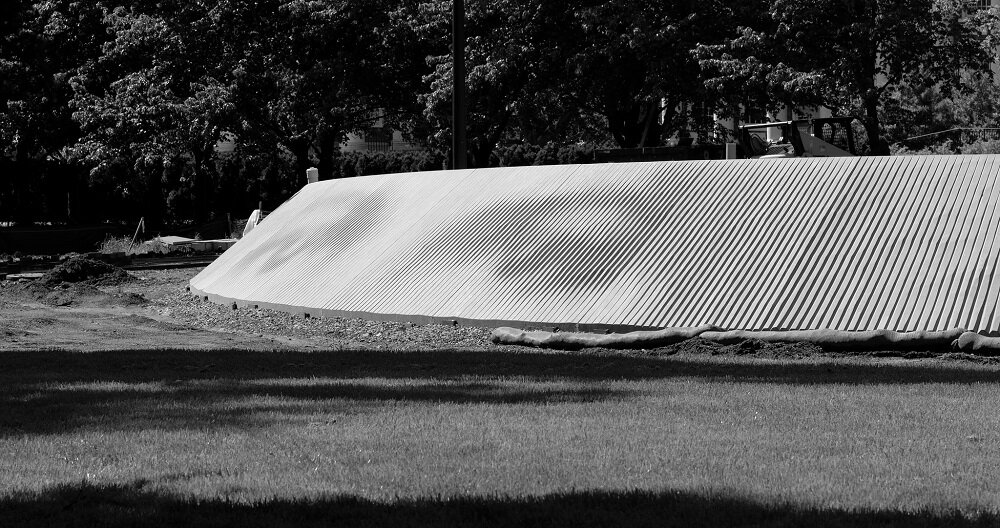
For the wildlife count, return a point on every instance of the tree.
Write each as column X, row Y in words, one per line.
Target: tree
column 309, row 72
column 151, row 102
column 742, row 68
column 635, row 64
column 42, row 45
column 516, row 59
column 285, row 79
column 922, row 110
column 850, row 55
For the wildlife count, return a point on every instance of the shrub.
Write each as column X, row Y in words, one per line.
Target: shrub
column 547, row 154
column 350, row 164
column 987, row 146
column 980, row 146
column 125, row 245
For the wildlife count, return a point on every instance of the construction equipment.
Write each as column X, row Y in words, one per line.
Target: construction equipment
column 819, row 137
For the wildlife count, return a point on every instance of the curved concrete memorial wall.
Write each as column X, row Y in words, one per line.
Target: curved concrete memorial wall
column 893, row 243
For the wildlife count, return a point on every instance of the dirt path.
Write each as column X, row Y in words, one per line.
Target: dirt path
column 34, row 327
column 153, row 310
column 91, row 317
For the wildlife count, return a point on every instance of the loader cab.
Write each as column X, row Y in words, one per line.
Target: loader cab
column 846, row 133
column 821, row 137
column 755, row 143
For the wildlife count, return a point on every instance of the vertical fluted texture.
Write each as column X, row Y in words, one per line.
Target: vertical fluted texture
column 900, row 243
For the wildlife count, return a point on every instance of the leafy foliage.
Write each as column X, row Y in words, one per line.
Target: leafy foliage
column 515, row 55
column 849, row 55
column 42, row 45
column 184, row 111
column 635, row 65
column 283, row 81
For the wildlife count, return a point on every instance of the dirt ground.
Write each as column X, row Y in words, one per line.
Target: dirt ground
column 153, row 310
column 91, row 317
column 92, row 308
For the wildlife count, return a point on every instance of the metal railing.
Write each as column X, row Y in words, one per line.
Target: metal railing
column 378, row 139
column 958, row 136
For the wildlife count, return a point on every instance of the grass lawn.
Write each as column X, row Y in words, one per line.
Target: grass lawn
column 480, row 438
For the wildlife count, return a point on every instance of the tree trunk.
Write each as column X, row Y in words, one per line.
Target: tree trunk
column 483, row 145
column 154, row 203
column 616, row 127
column 622, row 122
column 632, row 124
column 24, row 202
column 328, row 148
column 202, row 187
column 299, row 147
column 651, row 128
column 874, row 128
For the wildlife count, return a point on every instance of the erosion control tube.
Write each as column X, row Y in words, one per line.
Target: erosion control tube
column 973, row 343
column 830, row 340
column 845, row 341
column 578, row 340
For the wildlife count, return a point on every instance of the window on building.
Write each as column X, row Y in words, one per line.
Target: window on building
column 378, row 139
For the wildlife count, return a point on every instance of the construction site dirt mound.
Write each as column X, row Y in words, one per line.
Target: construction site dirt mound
column 77, row 281
column 79, row 269
column 76, row 294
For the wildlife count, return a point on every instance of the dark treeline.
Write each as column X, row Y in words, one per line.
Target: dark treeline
column 112, row 110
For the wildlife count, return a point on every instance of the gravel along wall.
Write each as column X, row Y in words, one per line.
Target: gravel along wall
column 851, row 244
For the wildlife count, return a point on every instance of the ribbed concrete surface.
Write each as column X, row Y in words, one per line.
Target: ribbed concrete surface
column 897, row 243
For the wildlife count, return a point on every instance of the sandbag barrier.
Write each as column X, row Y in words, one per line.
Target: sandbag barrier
column 845, row 341
column 578, row 340
column 973, row 343
column 956, row 339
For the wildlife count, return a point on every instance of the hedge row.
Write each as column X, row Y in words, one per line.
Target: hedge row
column 171, row 193
column 352, row 164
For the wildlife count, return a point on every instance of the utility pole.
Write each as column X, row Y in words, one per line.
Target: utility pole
column 458, row 105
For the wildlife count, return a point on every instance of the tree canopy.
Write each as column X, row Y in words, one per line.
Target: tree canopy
column 127, row 105
column 851, row 55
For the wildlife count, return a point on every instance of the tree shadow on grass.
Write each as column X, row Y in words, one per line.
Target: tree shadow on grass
column 25, row 369
column 45, row 392
column 136, row 504
column 221, row 403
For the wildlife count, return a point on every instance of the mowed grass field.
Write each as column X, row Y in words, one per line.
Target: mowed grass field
column 163, row 438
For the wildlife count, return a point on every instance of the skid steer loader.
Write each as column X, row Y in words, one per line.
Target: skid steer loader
column 820, row 137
